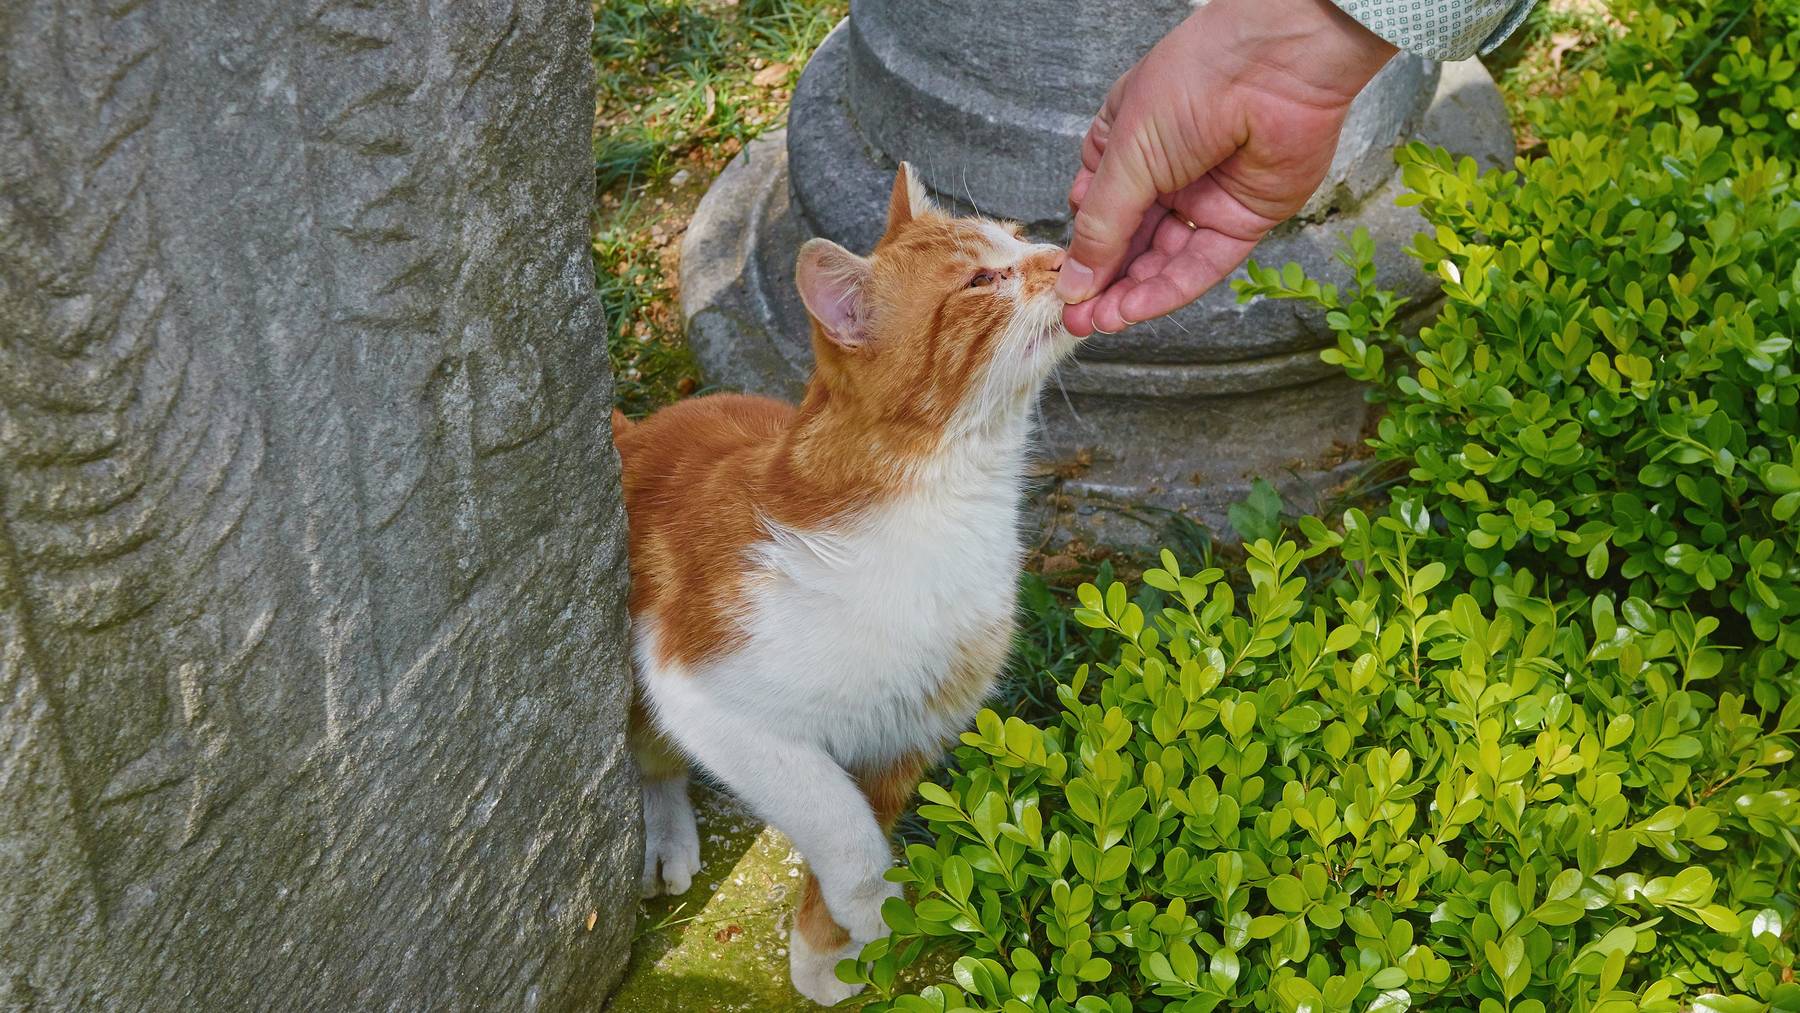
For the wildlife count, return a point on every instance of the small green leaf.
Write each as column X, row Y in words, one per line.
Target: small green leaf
column 1286, row 894
column 1596, row 564
column 958, row 878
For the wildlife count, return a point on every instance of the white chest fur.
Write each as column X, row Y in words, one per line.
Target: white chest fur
column 853, row 630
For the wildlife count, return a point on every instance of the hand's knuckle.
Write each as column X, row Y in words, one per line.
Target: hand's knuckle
column 1091, row 229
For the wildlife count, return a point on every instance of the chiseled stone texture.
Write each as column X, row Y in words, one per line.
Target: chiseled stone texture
column 312, row 655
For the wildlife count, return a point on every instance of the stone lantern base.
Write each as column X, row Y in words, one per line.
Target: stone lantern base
column 1164, row 417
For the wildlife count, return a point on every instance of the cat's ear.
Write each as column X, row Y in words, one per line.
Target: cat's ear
column 832, row 283
column 908, row 200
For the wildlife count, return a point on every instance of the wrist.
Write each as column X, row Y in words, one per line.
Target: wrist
column 1311, row 41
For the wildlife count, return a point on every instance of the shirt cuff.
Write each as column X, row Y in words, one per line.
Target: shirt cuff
column 1442, row 30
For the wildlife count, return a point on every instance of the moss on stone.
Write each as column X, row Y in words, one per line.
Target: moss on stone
column 722, row 947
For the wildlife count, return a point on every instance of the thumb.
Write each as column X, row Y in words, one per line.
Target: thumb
column 1116, row 198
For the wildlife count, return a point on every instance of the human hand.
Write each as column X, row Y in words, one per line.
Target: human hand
column 1221, row 132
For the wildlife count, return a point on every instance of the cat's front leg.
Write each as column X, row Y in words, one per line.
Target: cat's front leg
column 800, row 790
column 817, row 942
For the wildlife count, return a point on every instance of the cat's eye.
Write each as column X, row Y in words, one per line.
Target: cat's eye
column 982, row 279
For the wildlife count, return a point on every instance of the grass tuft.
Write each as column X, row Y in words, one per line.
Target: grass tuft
column 681, row 88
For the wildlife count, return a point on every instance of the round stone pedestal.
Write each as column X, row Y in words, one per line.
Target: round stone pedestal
column 1180, row 413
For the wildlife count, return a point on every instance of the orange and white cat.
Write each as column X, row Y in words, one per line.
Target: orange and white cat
column 823, row 595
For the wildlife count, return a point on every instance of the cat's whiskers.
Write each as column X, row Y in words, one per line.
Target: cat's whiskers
column 970, row 194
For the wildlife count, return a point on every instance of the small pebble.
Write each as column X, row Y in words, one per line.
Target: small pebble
column 681, row 178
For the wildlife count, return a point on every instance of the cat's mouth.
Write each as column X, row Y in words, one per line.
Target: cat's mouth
column 1053, row 329
column 1051, row 334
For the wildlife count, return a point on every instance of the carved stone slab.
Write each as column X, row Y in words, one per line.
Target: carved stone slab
column 312, row 655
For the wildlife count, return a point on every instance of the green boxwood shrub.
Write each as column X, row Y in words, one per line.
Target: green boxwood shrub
column 1393, row 797
column 1733, row 62
column 1609, row 392
column 1525, row 740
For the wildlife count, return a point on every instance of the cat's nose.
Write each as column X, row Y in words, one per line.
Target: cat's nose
column 1047, row 260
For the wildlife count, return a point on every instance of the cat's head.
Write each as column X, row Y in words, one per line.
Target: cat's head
column 949, row 322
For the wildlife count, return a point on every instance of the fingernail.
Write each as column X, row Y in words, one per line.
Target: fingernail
column 1073, row 281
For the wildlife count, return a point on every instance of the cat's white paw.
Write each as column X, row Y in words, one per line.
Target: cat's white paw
column 814, row 972
column 858, row 910
column 671, row 839
column 677, row 860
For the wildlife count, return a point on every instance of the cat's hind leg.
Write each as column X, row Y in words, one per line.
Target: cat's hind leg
column 671, row 837
column 815, row 945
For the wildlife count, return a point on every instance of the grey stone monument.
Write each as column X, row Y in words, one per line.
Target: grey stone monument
column 312, row 666
column 990, row 102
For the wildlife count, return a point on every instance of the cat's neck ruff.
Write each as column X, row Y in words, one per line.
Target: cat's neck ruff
column 980, row 455
column 979, row 452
